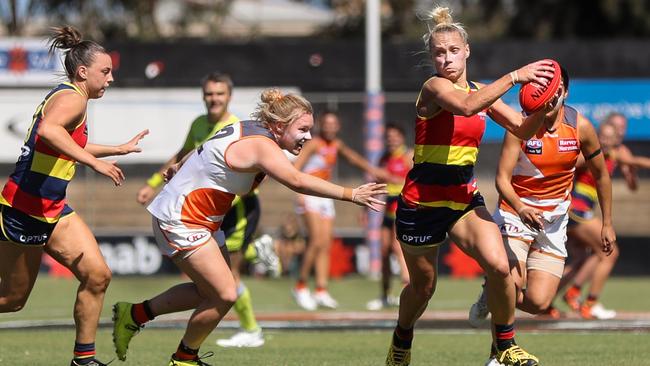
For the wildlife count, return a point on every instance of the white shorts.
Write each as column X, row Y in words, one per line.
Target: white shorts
column 175, row 238
column 320, row 205
column 550, row 240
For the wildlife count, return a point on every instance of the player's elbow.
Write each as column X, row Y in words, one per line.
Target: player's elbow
column 521, row 133
column 468, row 110
column 44, row 131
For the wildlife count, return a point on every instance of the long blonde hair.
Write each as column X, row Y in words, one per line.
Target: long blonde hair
column 439, row 20
column 277, row 108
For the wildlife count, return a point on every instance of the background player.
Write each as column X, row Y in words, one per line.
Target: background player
column 318, row 158
column 397, row 161
column 584, row 224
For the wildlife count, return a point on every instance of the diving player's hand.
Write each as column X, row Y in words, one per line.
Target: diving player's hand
column 608, row 238
column 145, row 194
column 132, row 145
column 109, row 168
column 364, row 195
column 531, row 217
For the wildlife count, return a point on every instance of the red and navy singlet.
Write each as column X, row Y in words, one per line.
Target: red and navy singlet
column 440, row 188
column 33, row 199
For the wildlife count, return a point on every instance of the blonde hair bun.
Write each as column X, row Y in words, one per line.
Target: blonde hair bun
column 271, row 95
column 441, row 15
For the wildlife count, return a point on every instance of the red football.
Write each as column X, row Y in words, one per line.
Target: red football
column 533, row 96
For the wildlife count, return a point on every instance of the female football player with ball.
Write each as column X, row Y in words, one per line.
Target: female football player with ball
column 440, row 197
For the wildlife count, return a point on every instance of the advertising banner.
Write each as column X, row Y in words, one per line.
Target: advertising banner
column 26, row 62
column 121, row 114
column 595, row 99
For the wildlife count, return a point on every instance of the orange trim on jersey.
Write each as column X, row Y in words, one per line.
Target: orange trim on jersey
column 205, row 208
column 329, row 157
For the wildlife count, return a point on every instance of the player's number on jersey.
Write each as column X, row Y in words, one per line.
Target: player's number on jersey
column 224, row 132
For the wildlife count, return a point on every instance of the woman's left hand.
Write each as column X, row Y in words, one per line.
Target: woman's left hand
column 132, row 145
column 365, row 194
column 608, row 238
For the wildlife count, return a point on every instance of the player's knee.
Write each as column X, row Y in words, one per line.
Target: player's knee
column 12, row 304
column 538, row 305
column 498, row 269
column 424, row 290
column 97, row 281
column 228, row 296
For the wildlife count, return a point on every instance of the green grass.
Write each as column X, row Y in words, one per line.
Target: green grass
column 53, row 298
column 154, row 346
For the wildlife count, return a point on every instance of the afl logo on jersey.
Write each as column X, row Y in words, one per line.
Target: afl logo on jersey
column 534, row 147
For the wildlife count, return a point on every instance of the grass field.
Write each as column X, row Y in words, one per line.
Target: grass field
column 356, row 348
column 53, row 298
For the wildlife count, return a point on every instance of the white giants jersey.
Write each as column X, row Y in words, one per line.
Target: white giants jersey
column 200, row 193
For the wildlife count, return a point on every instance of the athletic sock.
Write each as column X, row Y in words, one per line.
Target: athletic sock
column 244, row 309
column 301, row 284
column 574, row 290
column 184, row 353
column 592, row 299
column 320, row 289
column 84, row 353
column 141, row 313
column 505, row 336
column 402, row 338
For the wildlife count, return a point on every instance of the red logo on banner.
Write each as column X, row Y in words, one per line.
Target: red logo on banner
column 17, row 60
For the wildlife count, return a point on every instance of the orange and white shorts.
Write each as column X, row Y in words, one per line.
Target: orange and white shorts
column 551, row 239
column 174, row 238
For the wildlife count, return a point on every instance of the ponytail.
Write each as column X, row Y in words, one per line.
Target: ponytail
column 78, row 52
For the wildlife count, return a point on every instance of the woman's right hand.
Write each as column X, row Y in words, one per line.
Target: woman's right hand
column 364, row 195
column 145, row 194
column 539, row 72
column 531, row 217
column 109, row 168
